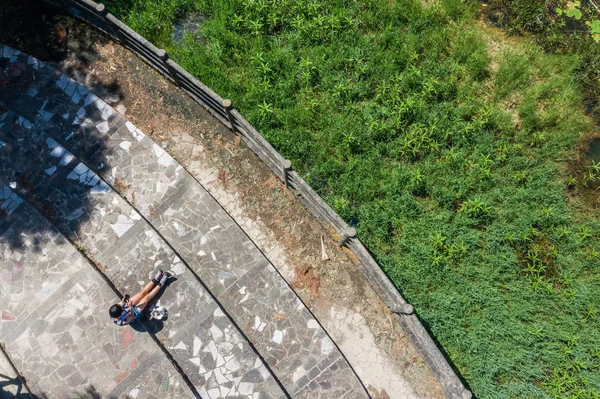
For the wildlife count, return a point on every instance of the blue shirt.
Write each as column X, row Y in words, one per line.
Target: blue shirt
column 121, row 321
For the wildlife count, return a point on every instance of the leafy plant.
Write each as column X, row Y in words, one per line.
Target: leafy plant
column 591, row 14
column 572, row 10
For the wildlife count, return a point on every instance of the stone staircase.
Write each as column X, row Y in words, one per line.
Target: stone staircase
column 77, row 176
column 54, row 319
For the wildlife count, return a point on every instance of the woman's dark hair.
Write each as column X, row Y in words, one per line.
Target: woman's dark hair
column 115, row 311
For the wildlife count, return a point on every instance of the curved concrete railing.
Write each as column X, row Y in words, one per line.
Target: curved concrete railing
column 98, row 16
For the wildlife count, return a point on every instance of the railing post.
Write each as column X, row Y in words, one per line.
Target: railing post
column 347, row 234
column 112, row 30
column 101, row 10
column 286, row 166
column 109, row 26
column 407, row 309
column 228, row 107
column 164, row 56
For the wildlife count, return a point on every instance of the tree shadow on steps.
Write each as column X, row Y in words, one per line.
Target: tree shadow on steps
column 55, row 38
column 89, row 393
column 16, row 390
column 71, row 47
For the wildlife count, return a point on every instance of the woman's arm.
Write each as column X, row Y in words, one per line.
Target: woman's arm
column 124, row 300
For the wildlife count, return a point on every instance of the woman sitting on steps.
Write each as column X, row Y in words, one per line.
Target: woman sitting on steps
column 129, row 310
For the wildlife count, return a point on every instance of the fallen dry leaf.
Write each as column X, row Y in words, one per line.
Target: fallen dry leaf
column 277, row 316
column 61, row 33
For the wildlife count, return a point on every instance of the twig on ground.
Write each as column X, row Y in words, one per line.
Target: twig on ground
column 323, row 253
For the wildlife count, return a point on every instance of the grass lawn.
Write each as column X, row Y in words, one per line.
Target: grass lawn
column 446, row 144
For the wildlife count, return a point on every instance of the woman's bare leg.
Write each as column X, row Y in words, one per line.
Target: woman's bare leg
column 144, row 301
column 140, row 295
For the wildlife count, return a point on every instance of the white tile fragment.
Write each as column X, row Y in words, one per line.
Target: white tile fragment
column 246, row 388
column 197, row 346
column 214, row 393
column 7, row 52
column 216, row 332
column 107, row 112
column 101, row 188
column 51, row 143
column 46, row 115
column 180, row 346
column 62, row 82
column 90, row 98
column 312, row 324
column 58, row 151
column 76, row 98
column 70, row 89
column 66, row 159
column 50, row 171
column 298, row 373
column 122, row 225
column 130, row 126
column 326, row 346
column 80, row 169
column 102, row 127
column 277, row 336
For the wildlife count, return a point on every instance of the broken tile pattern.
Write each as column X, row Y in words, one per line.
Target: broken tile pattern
column 128, row 251
column 121, row 243
column 202, row 339
column 227, row 261
column 54, row 319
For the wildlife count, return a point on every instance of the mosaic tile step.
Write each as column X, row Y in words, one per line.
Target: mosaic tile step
column 248, row 287
column 87, row 210
column 54, row 319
